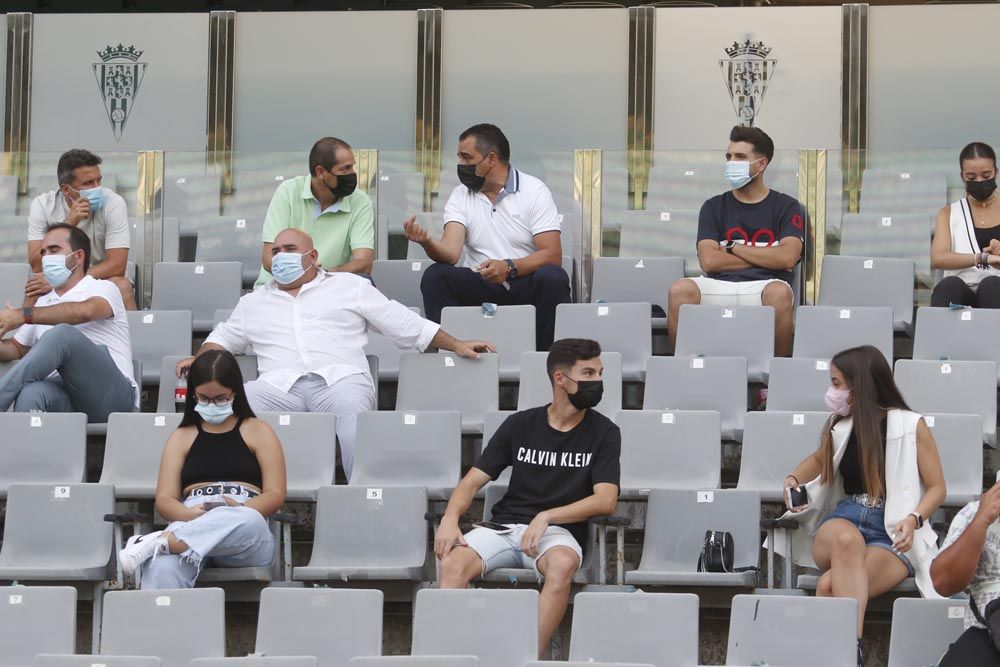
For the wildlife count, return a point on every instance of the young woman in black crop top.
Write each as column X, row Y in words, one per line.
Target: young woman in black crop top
column 222, row 472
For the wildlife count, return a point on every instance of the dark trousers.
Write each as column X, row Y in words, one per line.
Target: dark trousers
column 955, row 290
column 447, row 285
column 973, row 648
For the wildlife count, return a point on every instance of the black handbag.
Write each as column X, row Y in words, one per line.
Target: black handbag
column 990, row 618
column 717, row 554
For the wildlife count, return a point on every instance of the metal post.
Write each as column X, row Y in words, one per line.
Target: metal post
column 854, row 103
column 149, row 233
column 17, row 98
column 587, row 191
column 639, row 137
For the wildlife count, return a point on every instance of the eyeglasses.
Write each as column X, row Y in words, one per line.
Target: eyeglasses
column 218, row 401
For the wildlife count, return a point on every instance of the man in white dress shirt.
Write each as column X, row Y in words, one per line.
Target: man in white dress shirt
column 308, row 328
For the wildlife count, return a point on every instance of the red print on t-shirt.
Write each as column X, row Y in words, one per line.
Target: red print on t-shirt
column 761, row 237
column 797, row 221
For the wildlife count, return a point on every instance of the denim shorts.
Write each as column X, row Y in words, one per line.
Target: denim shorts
column 870, row 521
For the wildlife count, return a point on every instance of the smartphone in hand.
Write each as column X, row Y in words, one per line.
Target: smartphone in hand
column 798, row 498
column 497, row 528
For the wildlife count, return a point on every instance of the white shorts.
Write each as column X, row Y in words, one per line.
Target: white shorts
column 732, row 293
column 504, row 551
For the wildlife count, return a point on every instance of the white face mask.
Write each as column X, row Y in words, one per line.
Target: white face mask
column 738, row 172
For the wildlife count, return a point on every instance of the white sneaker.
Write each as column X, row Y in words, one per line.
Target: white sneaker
column 139, row 549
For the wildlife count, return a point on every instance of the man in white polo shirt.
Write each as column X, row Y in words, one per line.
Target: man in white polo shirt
column 73, row 345
column 99, row 212
column 308, row 327
column 508, row 224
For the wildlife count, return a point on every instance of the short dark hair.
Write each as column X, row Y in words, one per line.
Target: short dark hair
column 78, row 240
column 756, row 137
column 324, row 153
column 72, row 160
column 222, row 367
column 567, row 351
column 977, row 149
column 489, row 139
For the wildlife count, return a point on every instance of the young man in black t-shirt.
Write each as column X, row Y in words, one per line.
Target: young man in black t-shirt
column 749, row 242
column 564, row 460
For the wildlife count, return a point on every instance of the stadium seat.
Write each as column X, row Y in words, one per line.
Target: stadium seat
column 399, row 279
column 469, row 385
column 660, row 629
column 959, row 440
column 418, row 661
column 713, row 383
column 792, row 630
column 13, row 277
column 510, row 328
column 192, row 196
column 890, row 234
column 57, row 533
column 8, row 195
column 409, row 449
column 368, row 534
column 618, row 327
column 774, row 443
column 97, row 661
column 964, row 334
column 132, row 451
column 660, row 233
column 904, row 190
column 42, row 448
column 731, row 331
column 636, row 279
column 798, row 384
column 823, row 331
column 951, row 387
column 465, row 622
column 332, row 625
column 150, row 622
column 923, row 629
column 36, row 620
column 231, row 239
column 254, row 187
column 309, row 440
column 201, row 287
column 387, row 354
column 168, row 379
column 257, row 661
column 683, row 181
column 221, row 315
column 158, row 334
column 400, row 195
column 536, row 389
column 669, row 450
column 849, row 282
column 676, row 522
column 170, row 244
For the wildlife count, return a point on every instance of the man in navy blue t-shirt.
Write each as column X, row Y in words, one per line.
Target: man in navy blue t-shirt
column 749, row 242
column 564, row 461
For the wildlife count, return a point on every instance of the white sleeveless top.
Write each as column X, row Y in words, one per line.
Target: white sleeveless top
column 963, row 241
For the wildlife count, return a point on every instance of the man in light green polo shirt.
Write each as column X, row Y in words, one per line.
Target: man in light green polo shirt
column 325, row 204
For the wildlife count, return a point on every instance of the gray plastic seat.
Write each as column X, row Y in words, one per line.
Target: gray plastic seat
column 191, row 195
column 150, row 623
column 660, row 233
column 229, row 239
column 659, row 629
column 44, row 448
column 792, row 630
column 683, row 180
column 35, row 620
column 669, row 450
column 168, row 379
column 386, row 352
column 420, row 448
column 257, row 661
column 774, row 443
column 400, row 195
column 631, row 279
column 97, row 661
column 676, row 522
column 221, row 315
column 711, row 383
column 961, row 334
column 923, row 629
column 132, row 451
column 849, row 282
column 171, row 244
column 465, row 622
column 57, row 533
column 535, row 388
column 8, row 195
column 332, row 625
column 158, row 334
column 511, row 329
column 890, row 233
column 798, row 384
column 309, row 440
column 399, row 279
column 959, row 440
column 618, row 327
column 368, row 534
column 201, row 287
column 823, row 331
column 13, row 277
column 951, row 387
column 728, row 331
column 904, row 189
column 471, row 386
column 417, row 661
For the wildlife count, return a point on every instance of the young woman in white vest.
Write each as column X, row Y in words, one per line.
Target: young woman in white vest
column 966, row 243
column 872, row 485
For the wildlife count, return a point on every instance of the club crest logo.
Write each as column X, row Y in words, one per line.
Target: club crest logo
column 747, row 72
column 119, row 75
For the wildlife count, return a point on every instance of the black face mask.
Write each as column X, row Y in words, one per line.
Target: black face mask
column 346, row 184
column 588, row 394
column 467, row 176
column 981, row 190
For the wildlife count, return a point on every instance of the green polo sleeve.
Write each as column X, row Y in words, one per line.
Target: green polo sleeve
column 279, row 211
column 362, row 234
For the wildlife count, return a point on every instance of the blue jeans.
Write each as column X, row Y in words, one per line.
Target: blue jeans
column 870, row 522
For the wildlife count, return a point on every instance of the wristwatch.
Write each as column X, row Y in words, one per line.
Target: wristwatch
column 511, row 269
column 920, row 519
column 729, row 246
column 26, row 313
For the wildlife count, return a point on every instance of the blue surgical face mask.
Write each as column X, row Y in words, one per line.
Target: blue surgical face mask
column 286, row 267
column 93, row 195
column 55, row 271
column 738, row 172
column 214, row 414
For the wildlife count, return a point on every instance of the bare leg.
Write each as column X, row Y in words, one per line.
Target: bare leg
column 558, row 564
column 884, row 570
column 840, row 548
column 682, row 291
column 779, row 296
column 459, row 567
column 174, row 545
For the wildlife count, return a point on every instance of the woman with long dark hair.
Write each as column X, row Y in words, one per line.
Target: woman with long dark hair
column 871, row 487
column 222, row 472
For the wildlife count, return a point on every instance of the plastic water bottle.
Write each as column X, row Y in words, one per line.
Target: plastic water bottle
column 180, row 394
